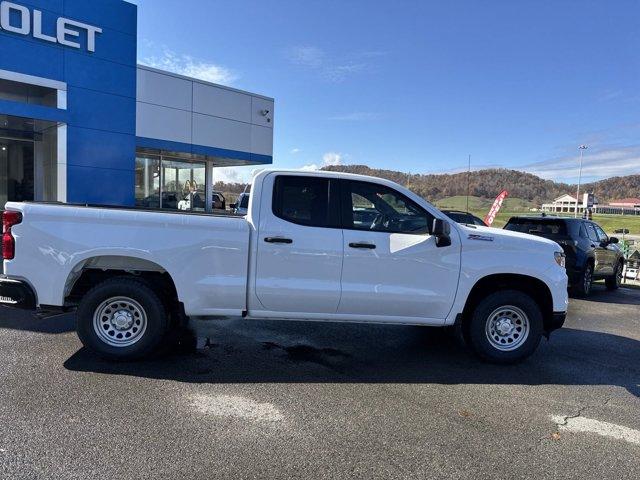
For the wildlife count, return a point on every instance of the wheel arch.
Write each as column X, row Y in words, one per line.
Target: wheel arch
column 96, row 269
column 534, row 287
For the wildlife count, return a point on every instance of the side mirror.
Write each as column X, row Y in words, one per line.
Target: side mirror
column 233, row 206
column 614, row 240
column 441, row 230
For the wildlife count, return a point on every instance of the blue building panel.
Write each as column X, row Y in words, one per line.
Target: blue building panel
column 100, row 75
column 55, row 6
column 19, row 54
column 106, row 186
column 116, row 15
column 101, row 111
column 97, row 148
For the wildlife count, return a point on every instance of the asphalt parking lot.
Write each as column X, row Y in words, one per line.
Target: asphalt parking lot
column 305, row 400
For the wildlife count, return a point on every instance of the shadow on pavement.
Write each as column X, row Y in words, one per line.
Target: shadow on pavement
column 13, row 319
column 622, row 296
column 268, row 352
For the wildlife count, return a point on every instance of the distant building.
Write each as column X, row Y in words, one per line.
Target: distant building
column 626, row 203
column 567, row 204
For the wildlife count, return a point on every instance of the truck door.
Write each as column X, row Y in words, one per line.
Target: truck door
column 392, row 266
column 300, row 247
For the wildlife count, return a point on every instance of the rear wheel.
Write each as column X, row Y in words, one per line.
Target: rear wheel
column 583, row 287
column 506, row 327
column 122, row 318
column 614, row 282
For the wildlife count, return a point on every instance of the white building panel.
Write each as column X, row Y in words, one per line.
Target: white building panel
column 220, row 102
column 163, row 123
column 261, row 140
column 221, row 133
column 164, row 89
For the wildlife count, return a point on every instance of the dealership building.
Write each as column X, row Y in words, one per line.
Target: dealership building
column 81, row 122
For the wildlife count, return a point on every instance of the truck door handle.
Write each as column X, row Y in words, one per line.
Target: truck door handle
column 369, row 246
column 278, row 240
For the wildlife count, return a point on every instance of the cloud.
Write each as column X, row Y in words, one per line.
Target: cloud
column 306, row 56
column 356, row 117
column 598, row 163
column 329, row 159
column 294, row 151
column 242, row 174
column 191, row 67
column 328, row 69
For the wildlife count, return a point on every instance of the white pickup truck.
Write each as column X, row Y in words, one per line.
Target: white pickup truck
column 314, row 246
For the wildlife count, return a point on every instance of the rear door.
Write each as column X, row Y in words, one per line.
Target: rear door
column 392, row 266
column 300, row 245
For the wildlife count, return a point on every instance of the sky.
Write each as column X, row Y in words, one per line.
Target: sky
column 418, row 86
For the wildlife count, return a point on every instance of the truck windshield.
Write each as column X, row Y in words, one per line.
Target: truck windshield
column 534, row 226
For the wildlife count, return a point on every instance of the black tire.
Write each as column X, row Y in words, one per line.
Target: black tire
column 614, row 282
column 582, row 288
column 137, row 302
column 507, row 307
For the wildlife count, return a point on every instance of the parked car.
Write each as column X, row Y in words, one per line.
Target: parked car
column 299, row 254
column 591, row 253
column 464, row 218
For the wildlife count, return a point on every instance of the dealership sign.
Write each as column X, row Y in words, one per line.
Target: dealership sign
column 19, row 19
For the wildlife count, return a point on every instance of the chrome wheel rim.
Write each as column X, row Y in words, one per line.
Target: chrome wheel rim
column 120, row 321
column 507, row 328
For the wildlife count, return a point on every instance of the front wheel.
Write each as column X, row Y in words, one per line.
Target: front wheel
column 506, row 327
column 122, row 319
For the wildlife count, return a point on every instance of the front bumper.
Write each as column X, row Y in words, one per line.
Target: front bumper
column 554, row 322
column 17, row 294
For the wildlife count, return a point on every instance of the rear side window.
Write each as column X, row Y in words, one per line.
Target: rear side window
column 534, row 226
column 304, row 200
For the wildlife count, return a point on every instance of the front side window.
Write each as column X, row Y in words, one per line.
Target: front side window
column 601, row 235
column 377, row 208
column 591, row 232
column 303, row 200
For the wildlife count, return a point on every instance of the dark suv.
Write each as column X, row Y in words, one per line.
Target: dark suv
column 591, row 254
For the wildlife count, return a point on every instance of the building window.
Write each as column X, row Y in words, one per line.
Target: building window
column 183, row 185
column 148, row 181
column 169, row 183
column 26, row 93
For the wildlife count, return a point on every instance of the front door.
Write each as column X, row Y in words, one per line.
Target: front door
column 392, row 266
column 299, row 245
column 601, row 266
column 610, row 252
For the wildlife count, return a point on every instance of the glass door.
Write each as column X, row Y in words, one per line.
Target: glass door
column 16, row 170
column 183, row 185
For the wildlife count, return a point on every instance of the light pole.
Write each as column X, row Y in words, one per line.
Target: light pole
column 582, row 149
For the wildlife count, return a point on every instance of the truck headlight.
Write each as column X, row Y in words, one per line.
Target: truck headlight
column 561, row 259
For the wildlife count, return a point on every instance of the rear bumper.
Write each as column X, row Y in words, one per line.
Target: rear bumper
column 17, row 294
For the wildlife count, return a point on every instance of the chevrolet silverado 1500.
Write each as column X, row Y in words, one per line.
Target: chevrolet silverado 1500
column 314, row 246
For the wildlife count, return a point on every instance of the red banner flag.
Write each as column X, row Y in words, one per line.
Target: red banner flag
column 497, row 205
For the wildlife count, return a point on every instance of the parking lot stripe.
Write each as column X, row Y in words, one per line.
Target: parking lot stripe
column 605, row 429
